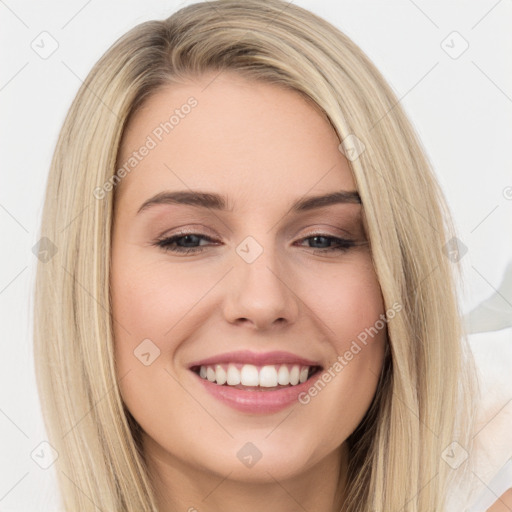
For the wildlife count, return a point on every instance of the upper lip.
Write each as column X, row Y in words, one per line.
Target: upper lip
column 255, row 358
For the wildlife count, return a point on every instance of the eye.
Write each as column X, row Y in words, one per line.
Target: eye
column 187, row 243
column 340, row 244
column 183, row 243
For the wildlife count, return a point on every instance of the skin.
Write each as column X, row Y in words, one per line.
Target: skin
column 503, row 504
column 264, row 147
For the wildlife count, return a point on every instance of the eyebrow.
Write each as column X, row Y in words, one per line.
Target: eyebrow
column 218, row 202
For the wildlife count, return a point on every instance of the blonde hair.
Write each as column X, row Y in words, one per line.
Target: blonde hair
column 422, row 402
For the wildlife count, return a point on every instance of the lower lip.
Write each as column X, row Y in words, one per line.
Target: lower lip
column 258, row 402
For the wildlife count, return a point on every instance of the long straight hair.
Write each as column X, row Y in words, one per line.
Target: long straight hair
column 422, row 403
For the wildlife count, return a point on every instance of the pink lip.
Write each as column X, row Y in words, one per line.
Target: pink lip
column 254, row 401
column 255, row 358
column 258, row 402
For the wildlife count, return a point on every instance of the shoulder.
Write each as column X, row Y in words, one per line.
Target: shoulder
column 491, row 457
column 502, row 504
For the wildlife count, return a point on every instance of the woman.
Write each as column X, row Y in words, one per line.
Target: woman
column 202, row 352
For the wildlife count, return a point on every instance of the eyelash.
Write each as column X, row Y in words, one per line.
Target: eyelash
column 165, row 243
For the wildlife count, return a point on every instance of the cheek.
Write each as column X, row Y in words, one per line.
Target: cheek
column 348, row 300
column 149, row 300
column 154, row 307
column 147, row 303
column 353, row 311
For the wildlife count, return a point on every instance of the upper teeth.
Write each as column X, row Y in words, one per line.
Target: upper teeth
column 250, row 375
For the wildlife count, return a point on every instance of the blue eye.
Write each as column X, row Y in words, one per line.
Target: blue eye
column 186, row 243
column 342, row 244
column 189, row 239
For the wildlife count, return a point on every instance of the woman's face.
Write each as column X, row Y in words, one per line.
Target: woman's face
column 276, row 288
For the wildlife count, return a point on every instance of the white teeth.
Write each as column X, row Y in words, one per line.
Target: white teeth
column 220, row 374
column 267, row 376
column 283, row 376
column 249, row 375
column 233, row 376
column 210, row 374
column 294, row 375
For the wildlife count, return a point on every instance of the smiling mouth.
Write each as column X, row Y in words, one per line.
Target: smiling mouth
column 251, row 377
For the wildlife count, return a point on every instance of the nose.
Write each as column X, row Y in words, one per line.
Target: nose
column 260, row 293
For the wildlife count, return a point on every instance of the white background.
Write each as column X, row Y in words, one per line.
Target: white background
column 460, row 107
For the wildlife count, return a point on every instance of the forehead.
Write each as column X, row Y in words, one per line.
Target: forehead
column 256, row 142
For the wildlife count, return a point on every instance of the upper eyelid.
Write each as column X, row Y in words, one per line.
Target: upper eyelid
column 323, row 229
column 318, row 232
